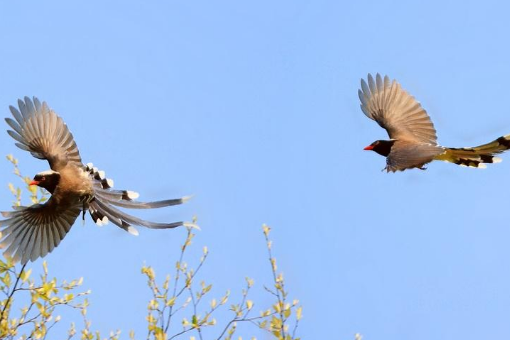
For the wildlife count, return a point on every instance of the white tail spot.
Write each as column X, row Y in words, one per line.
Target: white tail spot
column 132, row 195
column 186, row 198
column 132, row 230
column 191, row 225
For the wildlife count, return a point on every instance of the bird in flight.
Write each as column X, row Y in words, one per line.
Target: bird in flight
column 413, row 140
column 31, row 232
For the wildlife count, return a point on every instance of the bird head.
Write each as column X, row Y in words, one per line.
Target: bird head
column 382, row 147
column 47, row 180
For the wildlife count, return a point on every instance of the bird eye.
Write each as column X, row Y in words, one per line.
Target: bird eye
column 43, row 178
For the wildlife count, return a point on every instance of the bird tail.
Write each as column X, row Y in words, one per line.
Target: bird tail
column 102, row 207
column 476, row 156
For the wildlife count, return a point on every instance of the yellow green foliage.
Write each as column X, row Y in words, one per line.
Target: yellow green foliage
column 180, row 304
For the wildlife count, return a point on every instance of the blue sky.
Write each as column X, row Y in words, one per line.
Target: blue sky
column 252, row 107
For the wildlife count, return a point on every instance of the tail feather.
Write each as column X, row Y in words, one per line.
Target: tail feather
column 110, row 212
column 476, row 156
column 128, row 203
column 94, row 208
column 102, row 209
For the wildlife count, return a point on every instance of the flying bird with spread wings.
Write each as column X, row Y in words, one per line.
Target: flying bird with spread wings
column 413, row 140
column 31, row 232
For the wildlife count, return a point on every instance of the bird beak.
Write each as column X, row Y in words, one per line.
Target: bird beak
column 370, row 147
column 34, row 183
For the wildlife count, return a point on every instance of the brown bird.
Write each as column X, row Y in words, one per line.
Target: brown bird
column 32, row 232
column 413, row 141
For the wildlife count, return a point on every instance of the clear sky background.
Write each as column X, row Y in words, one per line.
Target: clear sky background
column 252, row 107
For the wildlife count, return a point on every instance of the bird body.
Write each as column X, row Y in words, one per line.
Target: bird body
column 28, row 233
column 73, row 182
column 408, row 154
column 413, row 140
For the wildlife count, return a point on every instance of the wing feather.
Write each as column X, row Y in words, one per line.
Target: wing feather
column 396, row 110
column 32, row 232
column 39, row 130
column 45, row 246
column 36, row 244
column 16, row 114
column 13, row 124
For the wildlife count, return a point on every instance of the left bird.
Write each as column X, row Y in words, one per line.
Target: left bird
column 31, row 232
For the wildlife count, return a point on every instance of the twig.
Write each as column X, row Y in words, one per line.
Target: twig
column 280, row 292
column 176, row 281
column 195, row 304
column 2, row 316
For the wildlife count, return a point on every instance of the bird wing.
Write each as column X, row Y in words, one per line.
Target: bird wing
column 408, row 155
column 396, row 110
column 40, row 131
column 32, row 232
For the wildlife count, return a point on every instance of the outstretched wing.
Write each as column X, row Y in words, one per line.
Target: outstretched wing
column 396, row 110
column 32, row 232
column 39, row 130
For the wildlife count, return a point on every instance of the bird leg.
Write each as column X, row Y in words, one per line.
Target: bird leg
column 85, row 200
column 84, row 209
